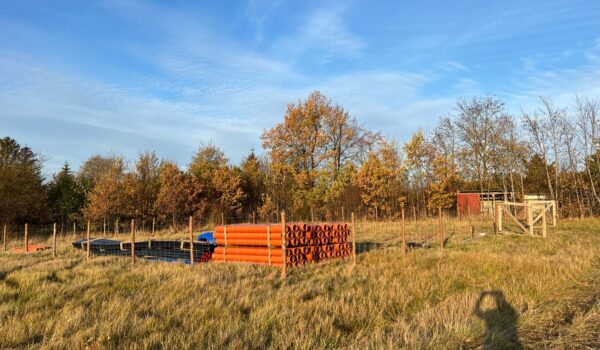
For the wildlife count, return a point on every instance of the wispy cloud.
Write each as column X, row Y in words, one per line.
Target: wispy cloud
column 323, row 37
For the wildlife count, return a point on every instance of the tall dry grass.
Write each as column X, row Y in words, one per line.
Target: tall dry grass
column 423, row 300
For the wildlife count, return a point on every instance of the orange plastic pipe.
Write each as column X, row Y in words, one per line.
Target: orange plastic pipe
column 247, row 251
column 250, row 242
column 248, row 258
column 245, row 235
column 249, row 262
column 250, row 228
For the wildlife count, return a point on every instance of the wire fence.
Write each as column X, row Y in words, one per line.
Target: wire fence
column 189, row 241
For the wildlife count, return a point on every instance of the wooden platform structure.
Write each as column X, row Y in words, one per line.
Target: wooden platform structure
column 526, row 215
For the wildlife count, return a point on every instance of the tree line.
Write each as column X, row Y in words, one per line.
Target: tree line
column 320, row 159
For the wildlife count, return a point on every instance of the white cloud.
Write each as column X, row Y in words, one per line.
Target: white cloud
column 323, row 37
column 561, row 85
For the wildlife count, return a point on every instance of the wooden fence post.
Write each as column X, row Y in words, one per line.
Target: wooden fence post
column 26, row 239
column 222, row 219
column 4, row 237
column 153, row 225
column 87, row 245
column 530, row 218
column 343, row 214
column 353, row 238
column 403, row 233
column 54, row 240
column 254, row 217
column 133, row 241
column 74, row 228
column 104, row 227
column 441, row 227
column 283, row 246
column 191, row 229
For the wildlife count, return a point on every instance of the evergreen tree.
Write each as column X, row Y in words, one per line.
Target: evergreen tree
column 66, row 196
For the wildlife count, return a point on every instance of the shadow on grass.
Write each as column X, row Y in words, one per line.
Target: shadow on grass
column 500, row 322
column 367, row 246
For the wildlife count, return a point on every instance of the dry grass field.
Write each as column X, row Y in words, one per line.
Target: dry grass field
column 488, row 292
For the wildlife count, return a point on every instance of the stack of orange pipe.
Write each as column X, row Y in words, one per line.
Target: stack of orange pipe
column 262, row 243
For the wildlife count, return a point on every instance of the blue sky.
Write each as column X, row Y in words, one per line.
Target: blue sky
column 118, row 77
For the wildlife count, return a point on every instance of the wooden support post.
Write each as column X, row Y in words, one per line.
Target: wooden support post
column 283, row 246
column 472, row 231
column 441, row 227
column 403, row 233
column 117, row 226
column 153, row 226
column 500, row 216
column 54, row 240
column 495, row 211
column 544, row 230
column 353, row 239
column 222, row 219
column 312, row 215
column 191, row 230
column 104, row 227
column 530, row 218
column 133, row 241
column 343, row 215
column 553, row 213
column 87, row 245
column 4, row 237
column 254, row 217
column 74, row 229
column 26, row 239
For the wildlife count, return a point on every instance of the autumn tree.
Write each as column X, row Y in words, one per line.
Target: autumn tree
column 419, row 154
column 381, row 179
column 207, row 160
column 220, row 184
column 109, row 198
column 253, row 182
column 198, row 203
column 146, row 184
column 267, row 211
column 228, row 190
column 93, row 169
column 173, row 191
column 314, row 141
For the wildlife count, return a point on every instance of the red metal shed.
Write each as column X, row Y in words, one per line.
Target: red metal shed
column 468, row 203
